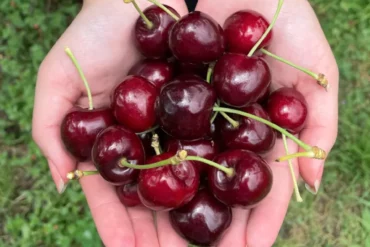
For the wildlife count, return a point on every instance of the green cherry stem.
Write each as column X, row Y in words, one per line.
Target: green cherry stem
column 296, row 189
column 177, row 159
column 165, row 9
column 77, row 174
column 255, row 47
column 320, row 78
column 210, row 71
column 148, row 23
column 319, row 153
column 155, row 144
column 78, row 67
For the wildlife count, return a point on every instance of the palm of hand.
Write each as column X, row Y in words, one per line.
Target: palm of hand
column 106, row 55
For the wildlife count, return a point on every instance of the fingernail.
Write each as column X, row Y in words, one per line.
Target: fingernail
column 316, row 184
column 58, row 180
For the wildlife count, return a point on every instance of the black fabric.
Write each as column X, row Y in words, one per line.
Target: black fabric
column 191, row 4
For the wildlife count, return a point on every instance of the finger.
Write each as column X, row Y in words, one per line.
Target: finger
column 144, row 228
column 110, row 216
column 235, row 234
column 167, row 236
column 266, row 219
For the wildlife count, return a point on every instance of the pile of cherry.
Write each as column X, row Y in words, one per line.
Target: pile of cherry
column 188, row 126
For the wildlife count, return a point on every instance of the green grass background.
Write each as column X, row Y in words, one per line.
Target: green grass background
column 33, row 214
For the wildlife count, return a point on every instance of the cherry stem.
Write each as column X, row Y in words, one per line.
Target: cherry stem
column 78, row 67
column 77, row 174
column 177, row 159
column 319, row 153
column 308, row 154
column 155, row 144
column 165, row 9
column 268, row 30
column 296, row 190
column 210, row 71
column 149, row 24
column 320, row 78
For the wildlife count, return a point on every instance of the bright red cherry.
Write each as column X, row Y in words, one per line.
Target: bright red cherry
column 113, row 144
column 240, row 80
column 202, row 148
column 250, row 184
column 158, row 72
column 243, row 29
column 251, row 134
column 288, row 108
column 203, row 220
column 197, row 38
column 153, row 42
column 167, row 187
column 185, row 107
column 133, row 103
column 127, row 194
column 80, row 128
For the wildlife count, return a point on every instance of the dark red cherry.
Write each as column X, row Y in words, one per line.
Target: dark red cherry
column 167, row 187
column 146, row 140
column 133, row 103
column 288, row 108
column 240, row 80
column 153, row 43
column 80, row 128
column 158, row 72
column 185, row 107
column 113, row 144
column 202, row 148
column 250, row 184
column 197, row 38
column 199, row 69
column 127, row 194
column 243, row 29
column 203, row 220
column 251, row 134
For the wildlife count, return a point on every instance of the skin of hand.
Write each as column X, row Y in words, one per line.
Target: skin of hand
column 101, row 38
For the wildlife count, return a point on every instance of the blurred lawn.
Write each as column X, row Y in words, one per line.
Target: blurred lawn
column 31, row 212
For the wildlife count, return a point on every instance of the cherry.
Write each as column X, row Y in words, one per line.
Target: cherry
column 251, row 134
column 185, row 107
column 203, row 220
column 203, row 148
column 133, row 103
column 243, row 29
column 240, row 80
column 167, row 187
column 197, row 38
column 80, row 128
column 113, row 144
column 288, row 108
column 152, row 40
column 128, row 195
column 250, row 184
column 157, row 72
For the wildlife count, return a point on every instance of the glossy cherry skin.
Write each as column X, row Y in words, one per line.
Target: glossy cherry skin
column 128, row 195
column 202, row 148
column 133, row 103
column 113, row 144
column 251, row 134
column 157, row 72
column 203, row 220
column 80, row 128
column 243, row 29
column 153, row 43
column 185, row 107
column 167, row 187
column 250, row 184
column 288, row 108
column 240, row 80
column 197, row 38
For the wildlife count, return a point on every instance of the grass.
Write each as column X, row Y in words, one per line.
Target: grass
column 31, row 212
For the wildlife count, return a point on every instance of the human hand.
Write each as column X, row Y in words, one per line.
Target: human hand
column 297, row 37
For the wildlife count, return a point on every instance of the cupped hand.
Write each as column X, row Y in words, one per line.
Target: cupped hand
column 101, row 39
